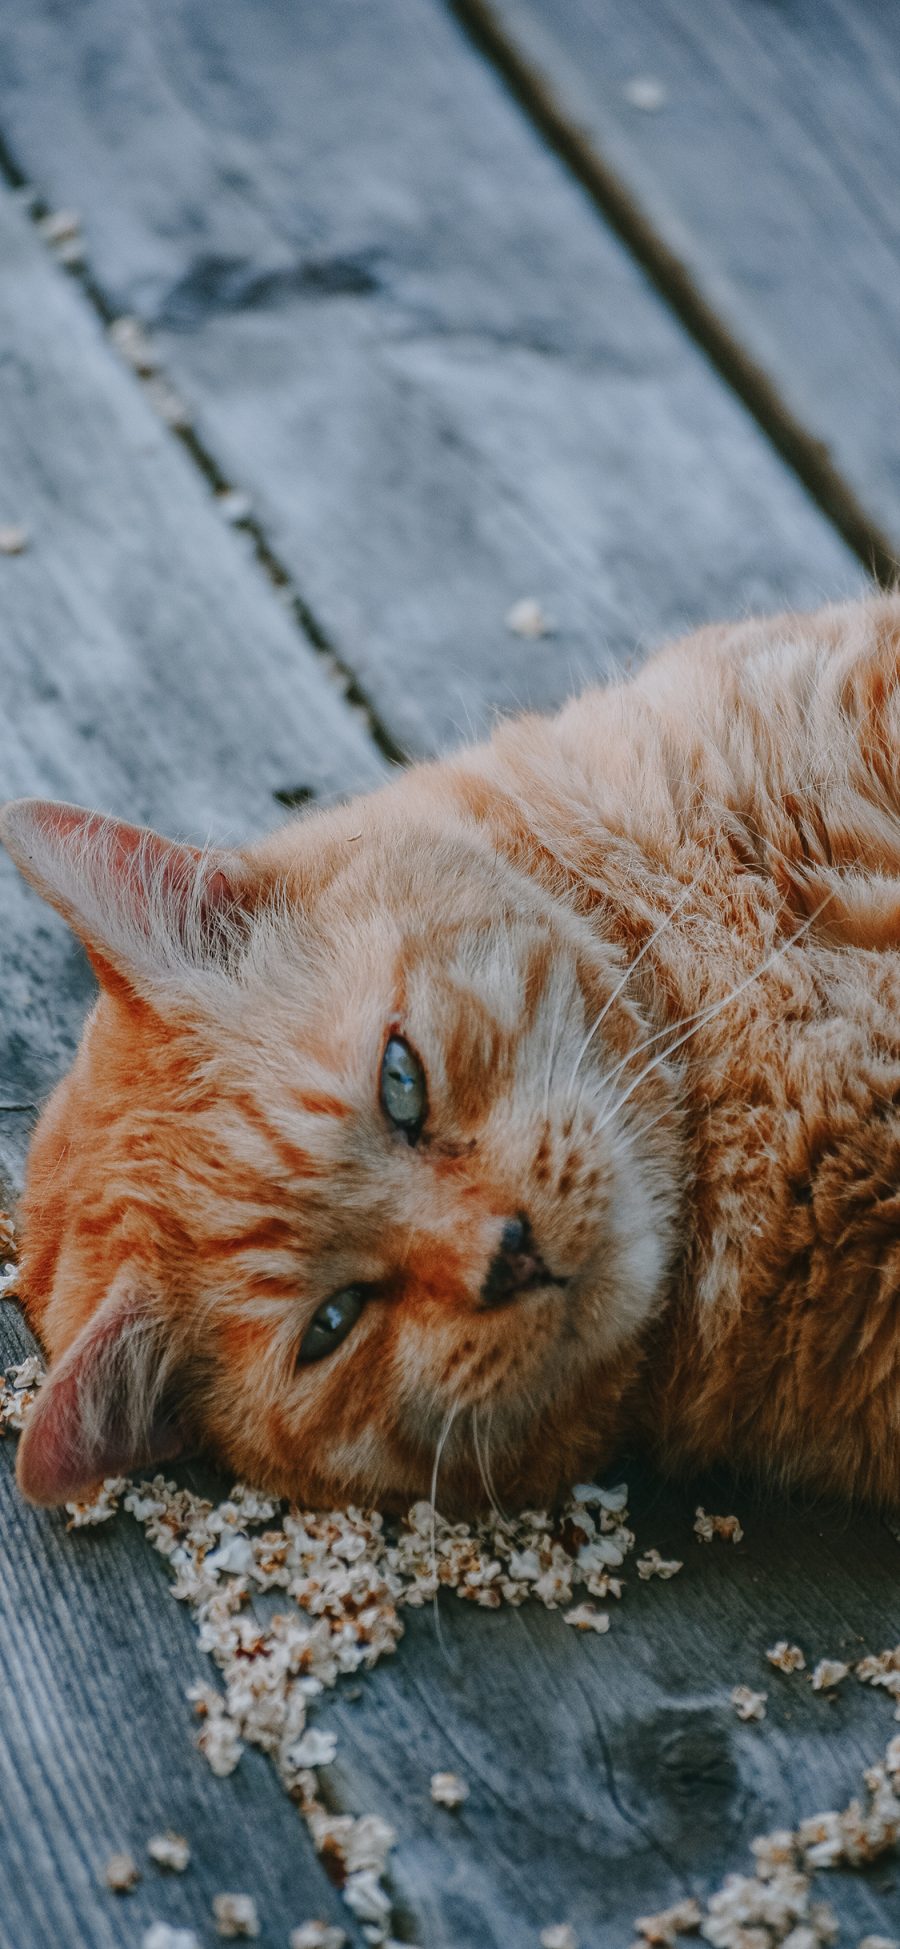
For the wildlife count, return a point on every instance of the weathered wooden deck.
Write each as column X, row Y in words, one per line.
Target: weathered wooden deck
column 464, row 323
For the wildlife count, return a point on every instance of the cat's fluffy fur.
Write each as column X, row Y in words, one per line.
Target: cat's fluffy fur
column 647, row 951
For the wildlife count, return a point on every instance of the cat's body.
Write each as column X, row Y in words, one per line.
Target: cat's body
column 642, row 965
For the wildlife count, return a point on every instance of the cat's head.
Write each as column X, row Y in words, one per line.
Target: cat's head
column 340, row 1182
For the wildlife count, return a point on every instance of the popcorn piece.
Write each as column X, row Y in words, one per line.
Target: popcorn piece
column 100, row 1507
column 317, row 1935
column 681, row 1919
column 369, row 1901
column 747, row 1703
column 560, row 1935
column 60, row 226
column 169, row 1851
column 879, row 1942
column 828, row 1672
column 161, row 1936
column 121, row 1873
column 786, row 1657
column 527, row 618
column 131, row 341
column 585, row 1617
column 643, row 92
column 448, row 1790
column 235, row 1915
column 14, row 538
column 651, row 1564
column 314, row 1749
column 706, row 1527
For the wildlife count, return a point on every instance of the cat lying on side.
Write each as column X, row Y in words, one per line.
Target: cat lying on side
column 546, row 1099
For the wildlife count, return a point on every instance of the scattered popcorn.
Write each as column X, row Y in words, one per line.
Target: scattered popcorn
column 585, row 1617
column 527, row 618
column 747, row 1703
column 18, row 1392
column 681, row 1919
column 100, row 1507
column 646, row 94
column 651, row 1564
column 121, row 1873
column 14, row 538
column 161, row 1936
column 235, row 1915
column 706, row 1527
column 317, row 1935
column 829, row 1671
column 559, row 1936
column 170, row 1851
column 448, row 1790
column 786, row 1657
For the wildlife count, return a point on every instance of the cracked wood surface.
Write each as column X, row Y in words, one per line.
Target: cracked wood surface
column 401, row 327
column 445, row 386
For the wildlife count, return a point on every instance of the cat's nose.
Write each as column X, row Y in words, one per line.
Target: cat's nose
column 516, row 1265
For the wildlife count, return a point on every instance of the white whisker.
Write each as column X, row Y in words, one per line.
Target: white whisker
column 626, row 977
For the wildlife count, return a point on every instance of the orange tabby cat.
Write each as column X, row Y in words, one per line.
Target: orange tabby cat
column 546, row 1099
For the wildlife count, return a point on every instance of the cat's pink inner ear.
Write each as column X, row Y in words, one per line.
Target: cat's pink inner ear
column 138, row 901
column 104, row 1409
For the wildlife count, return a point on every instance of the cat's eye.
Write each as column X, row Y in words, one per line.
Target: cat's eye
column 404, row 1098
column 332, row 1323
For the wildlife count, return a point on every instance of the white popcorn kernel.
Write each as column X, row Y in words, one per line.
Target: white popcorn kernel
column 14, row 539
column 727, row 1527
column 786, row 1657
column 317, row 1935
column 121, row 1873
column 527, row 618
column 560, row 1935
column 828, row 1672
column 585, row 1617
column 448, row 1790
column 161, row 1935
column 235, row 1915
column 651, row 1564
column 747, row 1703
column 169, row 1851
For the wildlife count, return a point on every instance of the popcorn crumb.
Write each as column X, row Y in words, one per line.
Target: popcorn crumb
column 706, row 1527
column 317, row 1935
column 60, row 226
column 121, row 1873
column 651, row 1564
column 560, row 1935
column 234, row 505
column 527, row 618
column 585, row 1617
column 643, row 92
column 879, row 1942
column 681, row 1919
column 747, row 1703
column 14, row 539
column 235, row 1915
column 134, row 345
column 786, row 1657
column 170, row 1851
column 828, row 1672
column 448, row 1790
column 161, row 1936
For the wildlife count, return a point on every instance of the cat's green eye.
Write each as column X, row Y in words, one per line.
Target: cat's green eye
column 404, row 1098
column 331, row 1324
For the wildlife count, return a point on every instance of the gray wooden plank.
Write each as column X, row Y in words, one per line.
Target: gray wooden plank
column 610, row 1776
column 147, row 666
column 760, row 176
column 96, row 1753
column 404, row 330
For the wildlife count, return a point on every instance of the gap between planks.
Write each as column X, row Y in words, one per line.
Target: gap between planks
column 297, row 607
column 806, row 455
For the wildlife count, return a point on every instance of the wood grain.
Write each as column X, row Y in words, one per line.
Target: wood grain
column 146, row 665
column 405, row 332
column 760, row 186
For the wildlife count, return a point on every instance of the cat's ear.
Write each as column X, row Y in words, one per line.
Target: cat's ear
column 153, row 910
column 109, row 1405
